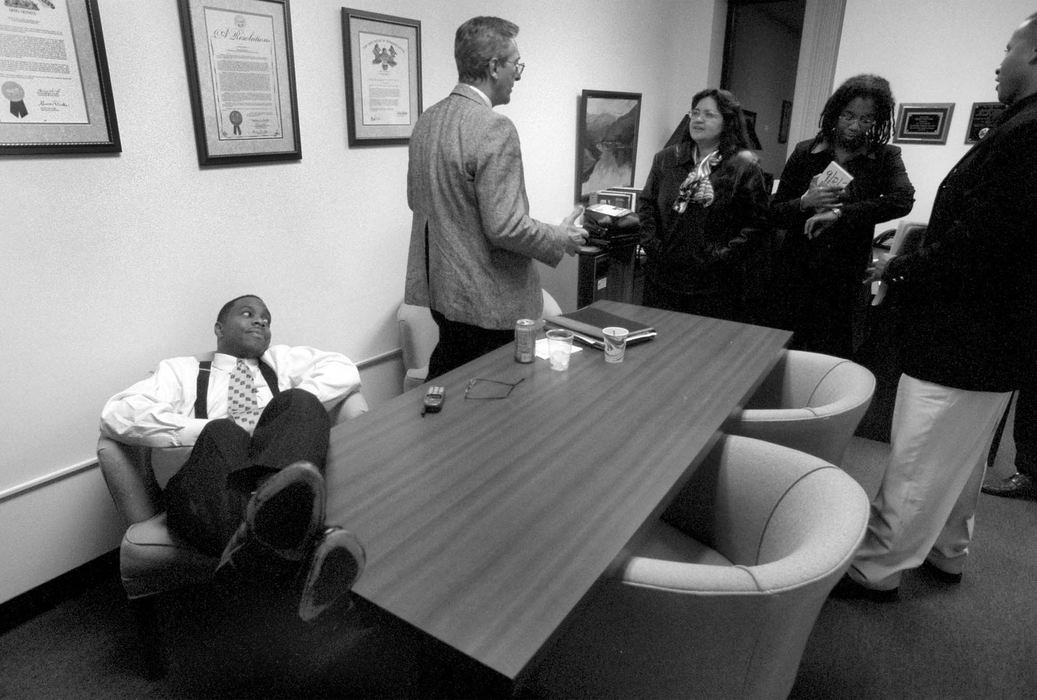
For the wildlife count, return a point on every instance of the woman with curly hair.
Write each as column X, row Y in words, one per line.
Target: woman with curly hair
column 827, row 246
column 696, row 209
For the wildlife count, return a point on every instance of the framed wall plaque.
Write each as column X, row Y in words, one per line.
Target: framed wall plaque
column 55, row 91
column 606, row 141
column 984, row 115
column 383, row 77
column 241, row 75
column 923, row 123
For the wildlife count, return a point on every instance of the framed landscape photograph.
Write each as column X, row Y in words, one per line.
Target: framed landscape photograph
column 383, row 77
column 241, row 79
column 606, row 141
column 55, row 91
column 923, row 123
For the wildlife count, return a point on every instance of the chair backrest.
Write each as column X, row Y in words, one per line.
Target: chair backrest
column 788, row 521
column 749, row 501
column 811, row 402
column 418, row 334
column 551, row 307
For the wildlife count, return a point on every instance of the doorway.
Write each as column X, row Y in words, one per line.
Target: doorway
column 761, row 61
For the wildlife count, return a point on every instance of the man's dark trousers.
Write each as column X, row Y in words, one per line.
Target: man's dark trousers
column 205, row 501
column 460, row 343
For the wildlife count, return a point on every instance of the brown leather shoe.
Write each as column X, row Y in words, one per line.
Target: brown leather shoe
column 1016, row 486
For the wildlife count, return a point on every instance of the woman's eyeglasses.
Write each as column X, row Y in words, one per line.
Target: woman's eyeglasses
column 705, row 114
column 866, row 120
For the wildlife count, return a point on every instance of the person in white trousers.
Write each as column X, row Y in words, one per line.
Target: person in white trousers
column 966, row 308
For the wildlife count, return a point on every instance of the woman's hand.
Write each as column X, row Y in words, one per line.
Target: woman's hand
column 819, row 197
column 817, row 223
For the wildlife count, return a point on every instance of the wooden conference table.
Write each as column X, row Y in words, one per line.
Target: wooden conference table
column 486, row 523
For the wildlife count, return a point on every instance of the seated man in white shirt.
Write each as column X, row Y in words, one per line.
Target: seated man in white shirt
column 252, row 490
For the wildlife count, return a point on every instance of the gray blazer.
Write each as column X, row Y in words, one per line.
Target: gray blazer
column 465, row 183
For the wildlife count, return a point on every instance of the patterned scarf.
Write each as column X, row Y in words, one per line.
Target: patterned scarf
column 697, row 187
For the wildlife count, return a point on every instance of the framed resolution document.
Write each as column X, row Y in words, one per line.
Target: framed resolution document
column 241, row 74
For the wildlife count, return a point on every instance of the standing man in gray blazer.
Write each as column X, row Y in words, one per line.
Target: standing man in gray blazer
column 473, row 242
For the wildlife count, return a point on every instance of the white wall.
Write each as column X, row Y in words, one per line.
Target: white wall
column 111, row 263
column 930, row 51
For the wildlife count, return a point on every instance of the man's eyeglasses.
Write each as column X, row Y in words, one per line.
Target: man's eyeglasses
column 866, row 120
column 484, row 389
column 519, row 67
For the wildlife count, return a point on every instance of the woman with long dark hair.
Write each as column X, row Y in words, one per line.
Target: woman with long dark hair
column 828, row 242
column 696, row 209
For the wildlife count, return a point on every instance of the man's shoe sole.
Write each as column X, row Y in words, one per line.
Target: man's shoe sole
column 335, row 565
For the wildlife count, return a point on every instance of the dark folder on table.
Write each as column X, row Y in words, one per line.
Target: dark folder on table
column 587, row 324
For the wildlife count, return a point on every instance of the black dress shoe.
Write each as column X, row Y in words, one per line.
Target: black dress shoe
column 938, row 574
column 335, row 564
column 848, row 589
column 283, row 519
column 1016, row 486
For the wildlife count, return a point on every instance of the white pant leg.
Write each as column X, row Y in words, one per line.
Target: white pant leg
column 940, row 438
column 952, row 545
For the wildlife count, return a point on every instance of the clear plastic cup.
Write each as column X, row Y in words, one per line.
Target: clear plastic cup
column 559, row 347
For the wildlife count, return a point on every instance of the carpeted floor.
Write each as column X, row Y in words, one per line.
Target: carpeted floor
column 974, row 640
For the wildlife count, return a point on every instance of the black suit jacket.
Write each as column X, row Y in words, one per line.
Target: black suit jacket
column 967, row 301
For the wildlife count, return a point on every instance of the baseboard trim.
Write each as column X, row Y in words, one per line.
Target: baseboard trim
column 48, row 595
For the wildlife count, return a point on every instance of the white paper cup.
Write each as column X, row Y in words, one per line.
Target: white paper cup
column 615, row 343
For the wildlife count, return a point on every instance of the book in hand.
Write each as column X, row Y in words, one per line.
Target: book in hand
column 834, row 176
column 587, row 325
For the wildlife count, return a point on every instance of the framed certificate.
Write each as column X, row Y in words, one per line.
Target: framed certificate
column 923, row 123
column 55, row 92
column 383, row 77
column 241, row 74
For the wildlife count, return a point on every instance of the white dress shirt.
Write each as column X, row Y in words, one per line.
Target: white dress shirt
column 159, row 411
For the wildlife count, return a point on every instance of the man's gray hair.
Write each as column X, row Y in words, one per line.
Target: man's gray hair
column 477, row 42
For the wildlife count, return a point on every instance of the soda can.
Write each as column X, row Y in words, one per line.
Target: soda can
column 525, row 340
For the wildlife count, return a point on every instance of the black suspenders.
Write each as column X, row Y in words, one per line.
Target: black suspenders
column 202, row 392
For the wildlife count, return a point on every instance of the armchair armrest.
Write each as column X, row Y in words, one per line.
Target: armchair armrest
column 415, row 377
column 353, row 406
column 131, row 481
